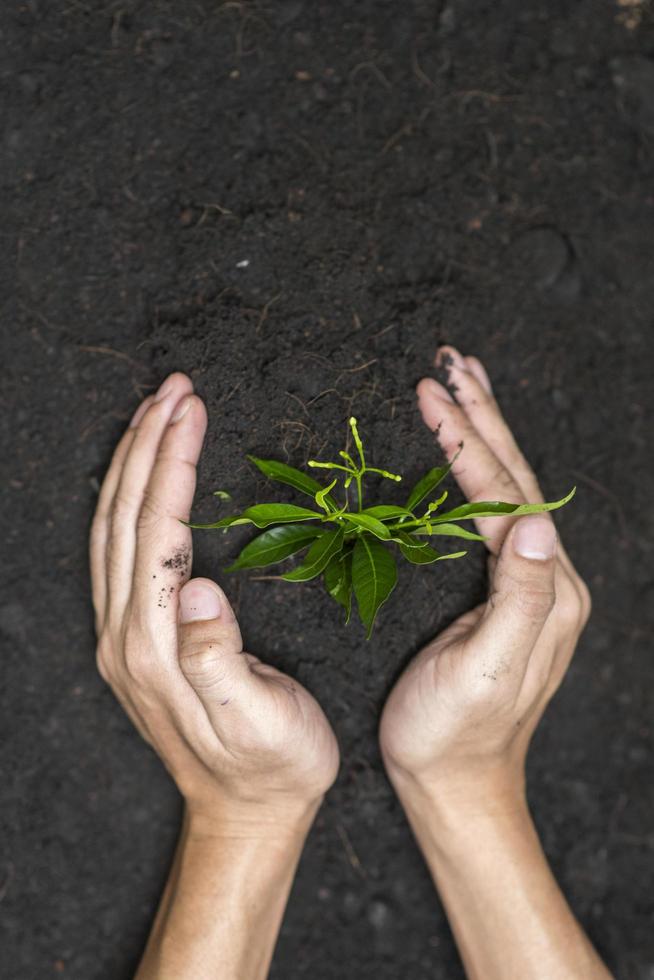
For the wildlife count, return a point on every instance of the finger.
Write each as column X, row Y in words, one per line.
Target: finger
column 474, row 394
column 163, row 544
column 128, row 499
column 477, row 368
column 101, row 519
column 211, row 655
column 522, row 598
column 472, row 388
column 478, row 471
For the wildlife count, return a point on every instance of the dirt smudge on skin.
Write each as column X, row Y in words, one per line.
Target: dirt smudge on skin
column 179, row 561
column 164, row 594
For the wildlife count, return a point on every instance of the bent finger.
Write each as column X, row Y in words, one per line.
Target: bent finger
column 134, row 477
column 163, row 543
column 522, row 598
column 101, row 518
column 212, row 660
column 467, row 376
column 474, row 394
column 478, row 471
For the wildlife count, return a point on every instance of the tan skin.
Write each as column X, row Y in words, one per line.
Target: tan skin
column 253, row 754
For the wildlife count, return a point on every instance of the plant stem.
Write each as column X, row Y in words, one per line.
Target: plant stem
column 402, row 526
column 357, row 477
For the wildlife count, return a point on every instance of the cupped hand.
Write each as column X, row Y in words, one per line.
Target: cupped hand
column 244, row 743
column 459, row 720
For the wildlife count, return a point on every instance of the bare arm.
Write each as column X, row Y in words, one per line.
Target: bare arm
column 223, row 905
column 507, row 913
column 457, row 726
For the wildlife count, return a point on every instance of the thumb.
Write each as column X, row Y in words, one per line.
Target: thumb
column 210, row 646
column 522, row 592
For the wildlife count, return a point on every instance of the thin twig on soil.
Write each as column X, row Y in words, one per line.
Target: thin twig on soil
column 110, row 352
column 289, row 394
column 350, row 852
column 405, row 130
column 372, row 67
column 380, row 333
column 295, row 425
column 230, row 393
column 225, row 212
column 96, row 423
column 354, row 370
column 490, row 97
column 419, row 73
column 605, row 492
column 321, row 394
column 263, row 316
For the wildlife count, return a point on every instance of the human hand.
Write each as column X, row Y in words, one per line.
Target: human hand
column 458, row 723
column 245, row 744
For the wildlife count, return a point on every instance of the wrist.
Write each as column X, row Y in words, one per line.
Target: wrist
column 449, row 806
column 224, row 819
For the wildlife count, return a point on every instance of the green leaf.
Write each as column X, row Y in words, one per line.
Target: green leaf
column 276, row 544
column 491, row 508
column 428, row 483
column 452, row 531
column 318, row 557
column 374, row 575
column 385, row 512
column 368, row 524
column 420, row 552
column 409, row 541
column 224, row 522
column 322, row 495
column 338, row 581
column 264, row 514
column 426, row 555
column 290, row 476
column 222, row 494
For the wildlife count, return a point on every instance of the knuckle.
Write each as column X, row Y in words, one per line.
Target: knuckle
column 569, row 607
column 204, row 665
column 102, row 667
column 103, row 659
column 139, row 661
column 499, row 476
column 586, row 601
column 535, row 602
column 151, row 512
column 271, row 736
column 122, row 509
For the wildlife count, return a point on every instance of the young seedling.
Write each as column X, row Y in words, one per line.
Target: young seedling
column 351, row 546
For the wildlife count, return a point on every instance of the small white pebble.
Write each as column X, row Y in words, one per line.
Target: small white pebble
column 243, row 264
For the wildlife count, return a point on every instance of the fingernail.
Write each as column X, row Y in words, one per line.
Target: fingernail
column 197, row 600
column 140, row 412
column 535, row 538
column 181, row 410
column 438, row 390
column 163, row 392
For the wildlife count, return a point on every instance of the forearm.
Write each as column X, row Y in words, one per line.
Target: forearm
column 507, row 913
column 222, row 907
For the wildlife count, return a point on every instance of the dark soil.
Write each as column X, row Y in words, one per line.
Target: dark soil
column 294, row 202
